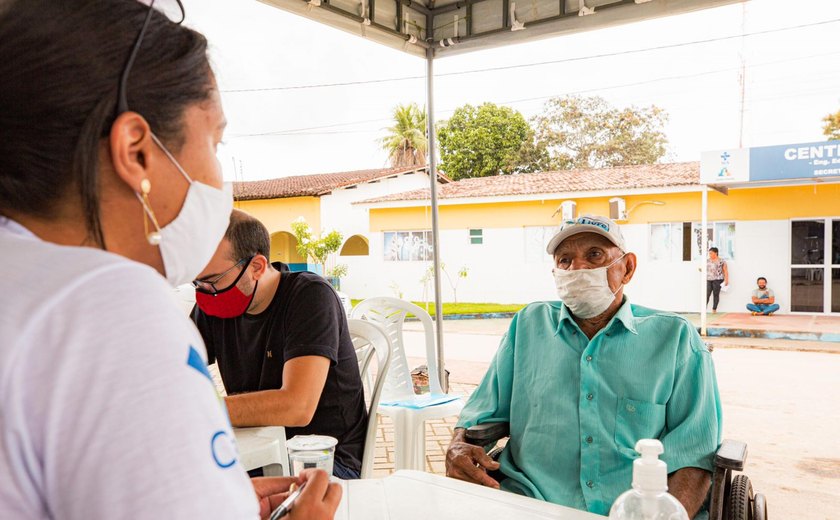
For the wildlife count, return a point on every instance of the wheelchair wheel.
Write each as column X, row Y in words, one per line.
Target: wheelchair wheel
column 760, row 507
column 740, row 501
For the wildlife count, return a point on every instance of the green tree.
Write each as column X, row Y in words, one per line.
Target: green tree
column 588, row 132
column 831, row 128
column 316, row 248
column 406, row 141
column 486, row 140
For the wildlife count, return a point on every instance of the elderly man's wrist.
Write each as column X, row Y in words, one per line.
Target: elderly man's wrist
column 459, row 435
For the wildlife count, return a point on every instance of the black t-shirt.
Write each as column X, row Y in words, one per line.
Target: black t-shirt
column 305, row 318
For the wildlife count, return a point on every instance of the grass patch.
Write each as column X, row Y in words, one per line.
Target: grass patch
column 466, row 308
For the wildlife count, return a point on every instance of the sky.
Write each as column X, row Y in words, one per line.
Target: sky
column 792, row 81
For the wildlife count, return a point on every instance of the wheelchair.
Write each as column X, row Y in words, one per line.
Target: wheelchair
column 731, row 496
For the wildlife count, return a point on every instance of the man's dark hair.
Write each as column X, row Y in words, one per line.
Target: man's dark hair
column 60, row 66
column 761, row 278
column 247, row 235
column 713, row 250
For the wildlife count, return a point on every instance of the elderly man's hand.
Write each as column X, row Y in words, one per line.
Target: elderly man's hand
column 470, row 463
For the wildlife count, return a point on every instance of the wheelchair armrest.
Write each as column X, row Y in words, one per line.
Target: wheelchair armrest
column 731, row 455
column 487, row 433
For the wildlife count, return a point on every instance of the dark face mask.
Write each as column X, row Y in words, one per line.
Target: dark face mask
column 229, row 302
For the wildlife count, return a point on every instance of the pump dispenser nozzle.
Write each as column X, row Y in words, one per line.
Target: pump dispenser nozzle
column 650, row 473
column 649, row 498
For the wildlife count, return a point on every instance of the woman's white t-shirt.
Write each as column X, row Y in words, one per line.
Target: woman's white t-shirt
column 106, row 406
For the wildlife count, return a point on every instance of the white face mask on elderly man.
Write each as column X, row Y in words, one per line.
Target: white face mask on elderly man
column 586, row 292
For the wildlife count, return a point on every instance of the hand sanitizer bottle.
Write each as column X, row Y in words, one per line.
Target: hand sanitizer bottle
column 649, row 499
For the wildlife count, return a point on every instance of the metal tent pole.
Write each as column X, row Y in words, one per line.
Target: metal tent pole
column 430, row 127
column 703, row 254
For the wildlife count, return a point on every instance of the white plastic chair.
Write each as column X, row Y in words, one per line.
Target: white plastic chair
column 263, row 447
column 409, row 423
column 369, row 339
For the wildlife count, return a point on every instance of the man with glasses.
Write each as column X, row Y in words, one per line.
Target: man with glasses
column 580, row 380
column 281, row 343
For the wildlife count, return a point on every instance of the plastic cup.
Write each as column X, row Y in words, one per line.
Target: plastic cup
column 311, row 451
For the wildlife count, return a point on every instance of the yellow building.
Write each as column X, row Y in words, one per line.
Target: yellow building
column 497, row 227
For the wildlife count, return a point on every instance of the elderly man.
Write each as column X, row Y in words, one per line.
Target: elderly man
column 281, row 342
column 582, row 379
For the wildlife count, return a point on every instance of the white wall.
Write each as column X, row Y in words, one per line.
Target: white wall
column 339, row 213
column 762, row 248
column 497, row 268
column 499, row 271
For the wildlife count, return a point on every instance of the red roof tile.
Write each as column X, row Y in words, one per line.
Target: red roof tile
column 564, row 181
column 312, row 185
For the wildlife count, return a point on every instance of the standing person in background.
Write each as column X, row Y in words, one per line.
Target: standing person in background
column 717, row 274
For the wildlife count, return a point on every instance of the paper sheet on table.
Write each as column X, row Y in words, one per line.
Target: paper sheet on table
column 363, row 500
column 422, row 401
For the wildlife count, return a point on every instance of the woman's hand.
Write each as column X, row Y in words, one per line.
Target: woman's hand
column 318, row 500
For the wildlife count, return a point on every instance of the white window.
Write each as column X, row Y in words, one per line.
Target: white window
column 721, row 235
column 536, row 240
column 666, row 242
column 476, row 236
column 406, row 246
column 682, row 241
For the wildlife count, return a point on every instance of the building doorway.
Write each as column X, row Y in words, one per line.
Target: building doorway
column 815, row 265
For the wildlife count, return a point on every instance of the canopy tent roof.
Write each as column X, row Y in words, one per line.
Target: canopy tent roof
column 466, row 25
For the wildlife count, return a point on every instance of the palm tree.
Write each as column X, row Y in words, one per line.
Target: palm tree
column 406, row 141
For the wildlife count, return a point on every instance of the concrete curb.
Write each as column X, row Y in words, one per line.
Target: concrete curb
column 831, row 337
column 824, row 347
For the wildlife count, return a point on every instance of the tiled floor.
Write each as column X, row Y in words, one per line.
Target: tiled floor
column 438, row 435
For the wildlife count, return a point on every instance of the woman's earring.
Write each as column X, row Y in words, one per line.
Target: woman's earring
column 148, row 215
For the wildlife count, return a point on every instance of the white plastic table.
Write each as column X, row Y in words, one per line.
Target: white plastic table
column 414, row 495
column 263, row 447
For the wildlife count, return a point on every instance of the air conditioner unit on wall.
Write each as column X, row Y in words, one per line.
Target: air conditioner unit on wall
column 618, row 209
column 568, row 210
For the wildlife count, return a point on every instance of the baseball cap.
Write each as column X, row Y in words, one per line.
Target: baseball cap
column 603, row 226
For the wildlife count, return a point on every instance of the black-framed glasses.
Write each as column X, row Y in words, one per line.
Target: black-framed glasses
column 122, row 98
column 209, row 286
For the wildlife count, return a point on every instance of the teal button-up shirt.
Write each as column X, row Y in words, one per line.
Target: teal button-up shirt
column 576, row 406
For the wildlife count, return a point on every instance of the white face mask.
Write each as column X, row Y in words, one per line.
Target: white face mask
column 187, row 243
column 586, row 292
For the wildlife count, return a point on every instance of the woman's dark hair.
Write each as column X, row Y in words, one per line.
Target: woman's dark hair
column 60, row 66
column 713, row 250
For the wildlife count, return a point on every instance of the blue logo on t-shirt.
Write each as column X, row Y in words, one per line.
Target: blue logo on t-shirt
column 194, row 360
column 223, row 449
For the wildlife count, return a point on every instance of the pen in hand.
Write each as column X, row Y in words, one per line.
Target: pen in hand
column 284, row 508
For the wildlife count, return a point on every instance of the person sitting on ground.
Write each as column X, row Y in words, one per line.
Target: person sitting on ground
column 281, row 343
column 763, row 299
column 581, row 380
